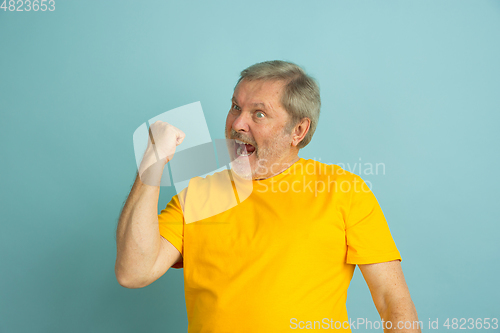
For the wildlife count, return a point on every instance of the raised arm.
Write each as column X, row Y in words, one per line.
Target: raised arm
column 391, row 296
column 142, row 254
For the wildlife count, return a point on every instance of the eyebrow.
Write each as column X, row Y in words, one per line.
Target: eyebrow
column 261, row 105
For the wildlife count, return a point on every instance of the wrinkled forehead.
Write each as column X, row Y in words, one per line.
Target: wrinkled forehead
column 260, row 82
column 259, row 91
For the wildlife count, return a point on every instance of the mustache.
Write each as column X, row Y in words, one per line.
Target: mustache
column 239, row 136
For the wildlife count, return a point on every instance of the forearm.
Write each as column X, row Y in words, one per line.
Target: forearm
column 402, row 315
column 137, row 235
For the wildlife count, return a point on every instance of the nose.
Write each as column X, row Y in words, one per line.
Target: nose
column 240, row 123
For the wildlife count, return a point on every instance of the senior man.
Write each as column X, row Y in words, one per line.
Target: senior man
column 281, row 258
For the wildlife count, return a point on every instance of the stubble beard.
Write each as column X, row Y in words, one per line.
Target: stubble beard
column 268, row 158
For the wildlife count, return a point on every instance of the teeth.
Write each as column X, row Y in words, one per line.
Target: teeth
column 240, row 142
column 241, row 151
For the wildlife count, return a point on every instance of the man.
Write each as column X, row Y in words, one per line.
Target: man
column 281, row 257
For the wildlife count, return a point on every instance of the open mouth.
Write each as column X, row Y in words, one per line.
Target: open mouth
column 243, row 148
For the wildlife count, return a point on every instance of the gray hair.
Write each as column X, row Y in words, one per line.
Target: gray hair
column 300, row 96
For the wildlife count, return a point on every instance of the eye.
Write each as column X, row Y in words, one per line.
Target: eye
column 260, row 114
column 235, row 107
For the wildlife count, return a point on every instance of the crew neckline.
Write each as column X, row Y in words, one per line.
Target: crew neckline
column 274, row 178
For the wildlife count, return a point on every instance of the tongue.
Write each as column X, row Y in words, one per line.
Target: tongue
column 250, row 148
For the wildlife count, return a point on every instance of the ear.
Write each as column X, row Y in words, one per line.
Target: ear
column 300, row 130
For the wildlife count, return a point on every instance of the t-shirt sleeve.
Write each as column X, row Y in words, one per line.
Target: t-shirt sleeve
column 368, row 237
column 171, row 223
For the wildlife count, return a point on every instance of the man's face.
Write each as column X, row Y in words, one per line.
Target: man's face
column 257, row 118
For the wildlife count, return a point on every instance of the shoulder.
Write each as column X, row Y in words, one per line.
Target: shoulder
column 313, row 167
column 337, row 179
column 205, row 189
column 201, row 183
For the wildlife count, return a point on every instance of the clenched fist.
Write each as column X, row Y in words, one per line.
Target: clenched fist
column 163, row 139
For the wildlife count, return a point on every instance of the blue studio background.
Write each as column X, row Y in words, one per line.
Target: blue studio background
column 410, row 84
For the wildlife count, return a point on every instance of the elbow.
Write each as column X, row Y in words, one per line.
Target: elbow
column 128, row 281
column 130, row 284
column 402, row 307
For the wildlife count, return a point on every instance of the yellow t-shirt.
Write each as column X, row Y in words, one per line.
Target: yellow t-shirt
column 277, row 257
